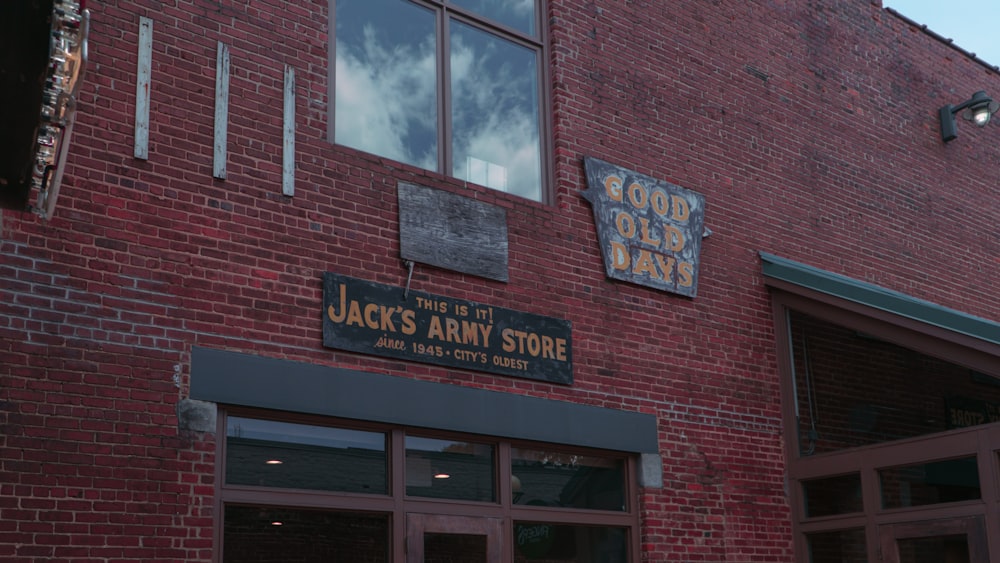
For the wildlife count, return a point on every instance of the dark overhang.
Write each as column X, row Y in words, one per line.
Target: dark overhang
column 235, row 378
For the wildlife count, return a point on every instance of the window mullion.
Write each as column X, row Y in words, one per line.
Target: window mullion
column 504, row 476
column 397, row 488
column 444, row 93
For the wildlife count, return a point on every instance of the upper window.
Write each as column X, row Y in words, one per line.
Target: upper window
column 856, row 389
column 447, row 85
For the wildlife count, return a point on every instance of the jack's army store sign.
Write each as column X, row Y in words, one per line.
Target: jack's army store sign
column 649, row 230
column 383, row 320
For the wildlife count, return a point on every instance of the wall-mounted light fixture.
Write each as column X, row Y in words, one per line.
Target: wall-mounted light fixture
column 978, row 109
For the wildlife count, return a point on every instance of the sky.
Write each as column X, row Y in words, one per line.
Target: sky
column 956, row 19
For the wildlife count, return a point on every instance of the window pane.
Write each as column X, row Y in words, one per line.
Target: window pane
column 386, row 80
column 554, row 542
column 950, row 549
column 518, row 14
column 551, row 478
column 842, row 546
column 834, row 495
column 449, row 469
column 281, row 454
column 464, row 548
column 930, row 483
column 855, row 389
column 495, row 112
column 261, row 534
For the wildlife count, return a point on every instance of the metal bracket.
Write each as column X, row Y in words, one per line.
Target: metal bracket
column 409, row 264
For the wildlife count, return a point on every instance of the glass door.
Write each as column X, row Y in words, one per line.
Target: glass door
column 438, row 538
column 957, row 540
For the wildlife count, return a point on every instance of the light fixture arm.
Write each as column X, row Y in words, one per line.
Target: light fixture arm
column 979, row 107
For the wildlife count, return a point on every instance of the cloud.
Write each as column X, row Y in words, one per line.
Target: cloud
column 496, row 111
column 519, row 14
column 386, row 99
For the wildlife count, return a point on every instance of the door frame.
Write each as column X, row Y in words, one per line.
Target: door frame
column 972, row 527
column 418, row 524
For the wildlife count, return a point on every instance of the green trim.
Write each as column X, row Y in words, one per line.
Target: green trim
column 879, row 298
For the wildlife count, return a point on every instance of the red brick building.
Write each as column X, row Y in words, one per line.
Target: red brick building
column 554, row 280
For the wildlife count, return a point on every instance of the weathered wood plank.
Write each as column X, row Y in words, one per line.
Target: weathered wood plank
column 288, row 160
column 221, row 111
column 142, row 94
column 453, row 232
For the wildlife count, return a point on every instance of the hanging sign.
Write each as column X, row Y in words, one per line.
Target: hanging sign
column 384, row 320
column 649, row 230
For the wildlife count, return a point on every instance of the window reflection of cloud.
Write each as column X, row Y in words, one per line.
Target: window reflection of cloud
column 494, row 92
column 519, row 14
column 385, row 98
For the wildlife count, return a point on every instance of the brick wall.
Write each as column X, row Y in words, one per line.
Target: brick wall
column 810, row 128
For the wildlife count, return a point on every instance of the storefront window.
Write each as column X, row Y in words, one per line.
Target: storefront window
column 854, row 389
column 318, row 490
column 841, row 546
column 833, row 495
column 554, row 478
column 266, row 453
column 265, row 534
column 534, row 541
column 935, row 482
column 449, row 469
column 950, row 549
